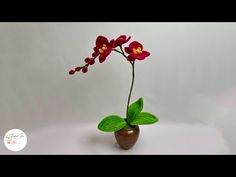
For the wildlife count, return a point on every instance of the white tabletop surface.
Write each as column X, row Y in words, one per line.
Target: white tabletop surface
column 161, row 138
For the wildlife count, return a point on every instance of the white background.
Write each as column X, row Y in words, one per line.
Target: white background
column 189, row 77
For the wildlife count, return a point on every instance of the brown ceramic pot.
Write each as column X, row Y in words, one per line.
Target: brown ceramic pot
column 127, row 137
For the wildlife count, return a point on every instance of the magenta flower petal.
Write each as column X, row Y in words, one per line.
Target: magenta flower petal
column 130, row 58
column 111, row 43
column 135, row 44
column 121, row 40
column 137, row 56
column 145, row 53
column 127, row 50
column 104, row 55
column 141, row 56
column 100, row 41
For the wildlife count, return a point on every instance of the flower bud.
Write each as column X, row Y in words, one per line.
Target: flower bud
column 85, row 70
column 71, row 72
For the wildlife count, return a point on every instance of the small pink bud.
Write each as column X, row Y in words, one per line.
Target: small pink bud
column 87, row 60
column 85, row 70
column 71, row 72
column 92, row 62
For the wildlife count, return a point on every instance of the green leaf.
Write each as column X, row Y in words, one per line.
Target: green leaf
column 127, row 126
column 111, row 123
column 144, row 118
column 135, row 109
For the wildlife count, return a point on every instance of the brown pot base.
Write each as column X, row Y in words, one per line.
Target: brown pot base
column 127, row 137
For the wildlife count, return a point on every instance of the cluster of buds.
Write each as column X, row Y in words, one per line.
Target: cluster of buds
column 84, row 69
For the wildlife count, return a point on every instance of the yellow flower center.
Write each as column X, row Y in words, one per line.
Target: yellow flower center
column 137, row 51
column 104, row 48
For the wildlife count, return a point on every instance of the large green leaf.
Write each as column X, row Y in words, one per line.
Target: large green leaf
column 144, row 118
column 111, row 123
column 135, row 109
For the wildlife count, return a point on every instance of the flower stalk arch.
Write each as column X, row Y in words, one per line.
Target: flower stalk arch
column 132, row 53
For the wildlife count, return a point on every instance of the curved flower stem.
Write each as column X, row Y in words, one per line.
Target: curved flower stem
column 122, row 49
column 132, row 82
column 131, row 88
column 117, row 51
column 122, row 53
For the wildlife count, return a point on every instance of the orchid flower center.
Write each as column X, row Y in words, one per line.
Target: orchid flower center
column 104, row 48
column 137, row 51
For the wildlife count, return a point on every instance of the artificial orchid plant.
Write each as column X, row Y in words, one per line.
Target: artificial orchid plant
column 134, row 52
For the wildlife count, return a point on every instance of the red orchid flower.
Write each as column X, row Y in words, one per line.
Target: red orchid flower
column 103, row 48
column 135, row 51
column 121, row 40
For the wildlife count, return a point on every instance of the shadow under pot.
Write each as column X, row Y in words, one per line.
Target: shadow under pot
column 127, row 137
